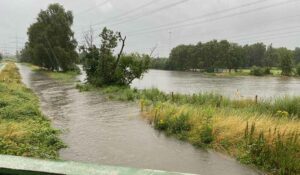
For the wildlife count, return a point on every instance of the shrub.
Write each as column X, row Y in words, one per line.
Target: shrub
column 259, row 71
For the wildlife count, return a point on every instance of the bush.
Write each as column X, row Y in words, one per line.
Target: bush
column 259, row 71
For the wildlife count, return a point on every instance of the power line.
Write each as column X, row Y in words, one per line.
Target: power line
column 89, row 9
column 128, row 12
column 151, row 12
column 274, row 35
column 203, row 16
column 132, row 18
column 216, row 19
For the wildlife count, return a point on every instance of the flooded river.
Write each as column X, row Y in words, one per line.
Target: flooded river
column 193, row 82
column 107, row 132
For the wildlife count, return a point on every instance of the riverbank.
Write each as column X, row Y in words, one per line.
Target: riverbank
column 24, row 130
column 262, row 133
column 62, row 76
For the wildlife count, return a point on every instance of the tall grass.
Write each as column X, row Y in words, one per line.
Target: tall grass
column 280, row 107
column 270, row 143
column 24, row 131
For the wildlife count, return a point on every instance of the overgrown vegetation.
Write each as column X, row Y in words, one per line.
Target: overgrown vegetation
column 104, row 68
column 263, row 133
column 24, row 131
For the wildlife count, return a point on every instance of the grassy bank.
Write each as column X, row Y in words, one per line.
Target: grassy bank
column 262, row 133
column 246, row 72
column 61, row 76
column 24, row 131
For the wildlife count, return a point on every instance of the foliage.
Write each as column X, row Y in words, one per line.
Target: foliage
column 215, row 56
column 286, row 62
column 298, row 69
column 24, row 131
column 159, row 63
column 1, row 57
column 51, row 40
column 297, row 55
column 276, row 151
column 258, row 71
column 103, row 68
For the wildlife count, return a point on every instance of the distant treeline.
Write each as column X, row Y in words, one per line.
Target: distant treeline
column 214, row 55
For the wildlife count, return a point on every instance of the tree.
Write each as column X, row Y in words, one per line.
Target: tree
column 297, row 55
column 255, row 54
column 271, row 57
column 235, row 57
column 210, row 56
column 286, row 62
column 1, row 57
column 51, row 40
column 104, row 68
column 181, row 57
column 159, row 63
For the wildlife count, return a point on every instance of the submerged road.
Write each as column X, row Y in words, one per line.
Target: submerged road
column 107, row 132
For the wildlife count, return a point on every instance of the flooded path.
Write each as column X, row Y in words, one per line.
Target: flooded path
column 108, row 132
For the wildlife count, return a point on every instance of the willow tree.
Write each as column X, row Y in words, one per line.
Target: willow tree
column 51, row 40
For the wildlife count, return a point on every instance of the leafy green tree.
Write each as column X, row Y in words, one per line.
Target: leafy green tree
column 51, row 40
column 298, row 69
column 104, row 68
column 159, row 63
column 271, row 57
column 181, row 57
column 235, row 57
column 297, row 54
column 255, row 54
column 1, row 57
column 210, row 56
column 286, row 62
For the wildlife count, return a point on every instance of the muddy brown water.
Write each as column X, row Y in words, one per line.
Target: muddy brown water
column 193, row 82
column 101, row 131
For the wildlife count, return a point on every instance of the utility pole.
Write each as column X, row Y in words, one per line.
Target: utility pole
column 170, row 40
column 17, row 47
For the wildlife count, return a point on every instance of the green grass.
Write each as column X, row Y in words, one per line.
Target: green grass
column 210, row 120
column 24, row 131
column 244, row 72
column 61, row 76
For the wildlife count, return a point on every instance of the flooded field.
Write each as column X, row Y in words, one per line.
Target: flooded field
column 193, row 82
column 101, row 131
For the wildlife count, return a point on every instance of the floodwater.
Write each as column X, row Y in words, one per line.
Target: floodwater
column 101, row 131
column 193, row 82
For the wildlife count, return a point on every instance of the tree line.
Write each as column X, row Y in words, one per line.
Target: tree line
column 216, row 55
column 52, row 46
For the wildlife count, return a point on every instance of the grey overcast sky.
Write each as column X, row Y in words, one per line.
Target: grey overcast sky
column 164, row 23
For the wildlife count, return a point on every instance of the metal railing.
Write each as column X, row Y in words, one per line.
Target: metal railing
column 14, row 165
